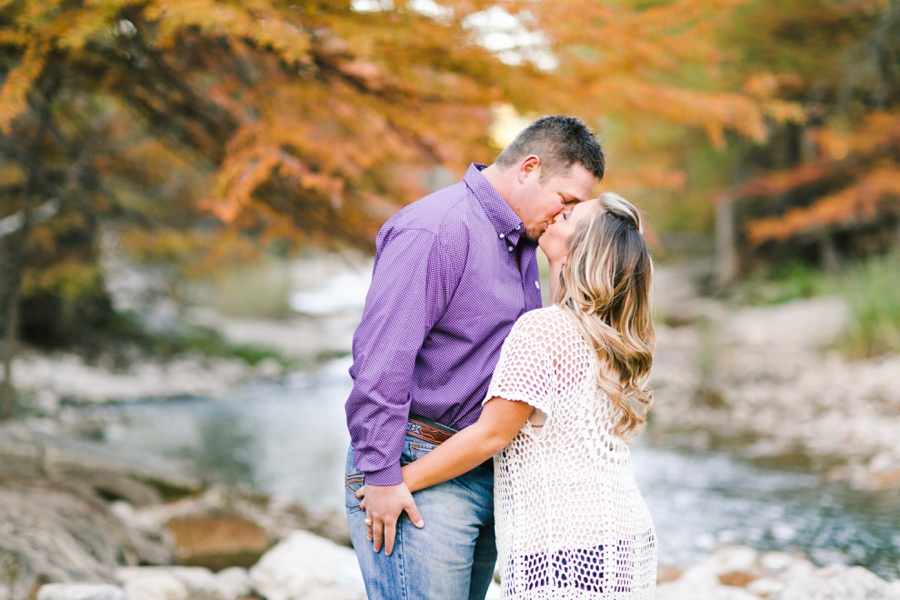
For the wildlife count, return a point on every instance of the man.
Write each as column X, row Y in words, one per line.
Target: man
column 453, row 271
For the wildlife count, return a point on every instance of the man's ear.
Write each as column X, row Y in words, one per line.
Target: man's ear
column 530, row 166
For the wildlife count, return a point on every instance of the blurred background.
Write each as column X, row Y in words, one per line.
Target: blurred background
column 190, row 193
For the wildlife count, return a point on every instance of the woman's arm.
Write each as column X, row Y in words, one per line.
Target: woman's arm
column 498, row 424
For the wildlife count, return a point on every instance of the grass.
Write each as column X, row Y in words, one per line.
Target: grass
column 211, row 343
column 128, row 327
column 871, row 288
column 793, row 281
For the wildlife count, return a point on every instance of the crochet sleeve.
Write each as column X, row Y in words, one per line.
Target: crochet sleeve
column 525, row 371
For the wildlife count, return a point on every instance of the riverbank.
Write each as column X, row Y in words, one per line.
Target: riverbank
column 763, row 382
column 124, row 527
column 767, row 383
column 760, row 381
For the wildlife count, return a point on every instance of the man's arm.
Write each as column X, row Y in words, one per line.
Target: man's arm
column 409, row 291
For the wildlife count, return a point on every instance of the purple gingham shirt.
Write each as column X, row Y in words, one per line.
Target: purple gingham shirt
column 445, row 293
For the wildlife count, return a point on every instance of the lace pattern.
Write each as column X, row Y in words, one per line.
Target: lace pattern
column 571, row 522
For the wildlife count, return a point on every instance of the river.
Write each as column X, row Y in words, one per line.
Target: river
column 288, row 438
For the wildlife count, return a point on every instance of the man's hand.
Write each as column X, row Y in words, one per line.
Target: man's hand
column 383, row 505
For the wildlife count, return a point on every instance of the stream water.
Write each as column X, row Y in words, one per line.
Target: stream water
column 288, row 438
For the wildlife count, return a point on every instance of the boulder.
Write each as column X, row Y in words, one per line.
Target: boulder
column 183, row 583
column 25, row 452
column 234, row 582
column 307, row 567
column 153, row 584
column 217, row 540
column 731, row 559
column 80, row 591
column 838, row 582
column 701, row 583
column 61, row 532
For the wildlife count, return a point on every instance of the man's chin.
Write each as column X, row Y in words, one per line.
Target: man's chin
column 533, row 235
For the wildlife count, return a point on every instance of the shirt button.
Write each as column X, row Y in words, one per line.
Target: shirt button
column 517, row 227
column 502, row 236
column 510, row 248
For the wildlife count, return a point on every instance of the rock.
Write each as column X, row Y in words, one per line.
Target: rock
column 28, row 453
column 307, row 567
column 117, row 487
column 880, row 480
column 893, row 591
column 666, row 573
column 183, row 583
column 740, row 371
column 765, row 587
column 70, row 379
column 80, row 591
column 234, row 582
column 274, row 516
column 808, row 323
column 731, row 559
column 217, row 540
column 739, row 573
column 152, row 584
column 775, row 563
column 61, row 532
column 76, row 458
column 20, row 456
column 838, row 582
column 738, row 578
column 700, row 583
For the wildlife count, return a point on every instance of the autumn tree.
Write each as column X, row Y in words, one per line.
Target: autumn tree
column 828, row 186
column 198, row 129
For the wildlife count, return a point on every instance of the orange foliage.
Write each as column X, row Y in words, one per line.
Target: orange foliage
column 18, row 82
column 866, row 156
column 876, row 193
column 313, row 121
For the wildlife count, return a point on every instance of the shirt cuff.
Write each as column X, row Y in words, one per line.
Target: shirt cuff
column 389, row 476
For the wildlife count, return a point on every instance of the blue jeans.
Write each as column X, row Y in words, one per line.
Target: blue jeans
column 451, row 558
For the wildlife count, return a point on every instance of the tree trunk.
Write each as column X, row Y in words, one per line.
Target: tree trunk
column 10, row 341
column 726, row 242
column 17, row 255
column 17, row 251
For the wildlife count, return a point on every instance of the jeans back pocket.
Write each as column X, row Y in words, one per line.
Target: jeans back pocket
column 352, row 484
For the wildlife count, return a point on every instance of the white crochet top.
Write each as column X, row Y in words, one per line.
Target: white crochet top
column 571, row 523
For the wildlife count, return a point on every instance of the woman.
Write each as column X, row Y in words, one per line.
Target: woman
column 568, row 392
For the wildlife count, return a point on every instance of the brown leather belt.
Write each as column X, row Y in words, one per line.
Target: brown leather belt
column 435, row 433
column 428, row 431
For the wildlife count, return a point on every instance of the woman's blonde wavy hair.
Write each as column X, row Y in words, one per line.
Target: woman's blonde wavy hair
column 605, row 287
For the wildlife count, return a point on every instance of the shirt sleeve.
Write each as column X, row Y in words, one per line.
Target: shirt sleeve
column 525, row 370
column 412, row 283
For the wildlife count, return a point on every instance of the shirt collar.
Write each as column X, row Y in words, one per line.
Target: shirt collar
column 506, row 222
